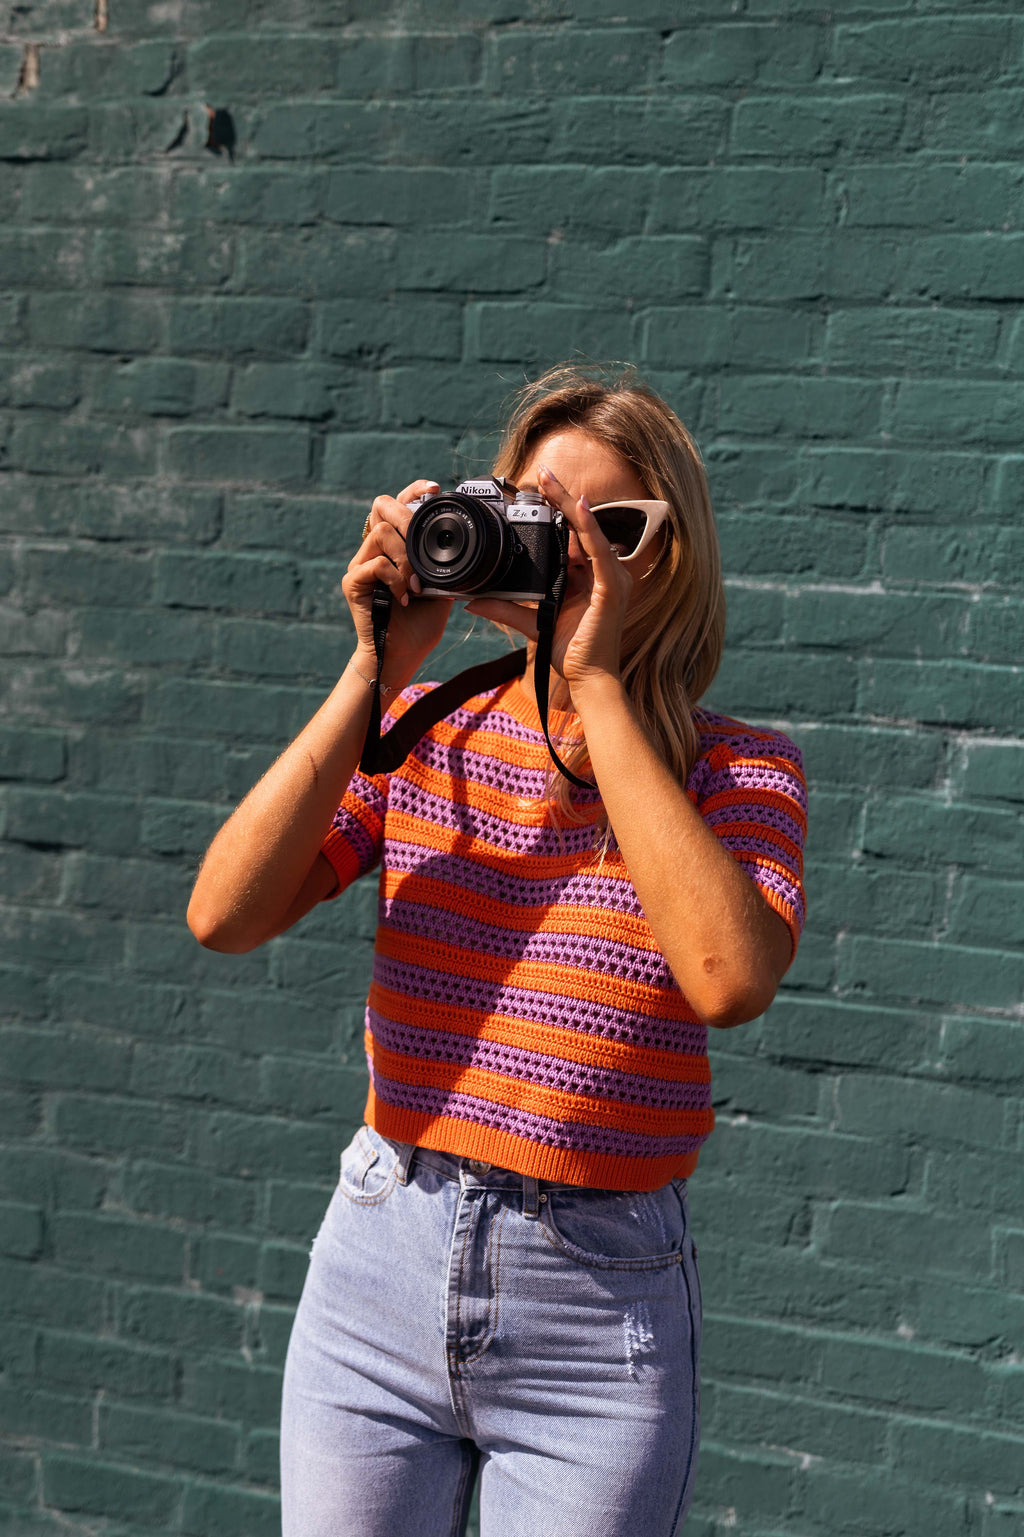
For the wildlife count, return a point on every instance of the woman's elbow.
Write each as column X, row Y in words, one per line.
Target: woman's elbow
column 737, row 1004
column 215, row 931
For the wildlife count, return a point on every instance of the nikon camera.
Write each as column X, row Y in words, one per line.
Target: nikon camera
column 485, row 539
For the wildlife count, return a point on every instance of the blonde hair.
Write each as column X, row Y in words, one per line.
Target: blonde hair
column 673, row 638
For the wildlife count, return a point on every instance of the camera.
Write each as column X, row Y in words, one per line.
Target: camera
column 485, row 539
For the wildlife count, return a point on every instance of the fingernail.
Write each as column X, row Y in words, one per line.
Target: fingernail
column 545, row 471
column 415, row 584
column 405, row 600
column 584, row 504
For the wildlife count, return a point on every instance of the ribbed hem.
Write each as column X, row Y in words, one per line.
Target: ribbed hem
column 342, row 858
column 464, row 1139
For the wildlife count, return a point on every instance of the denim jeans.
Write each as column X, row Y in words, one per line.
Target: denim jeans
column 459, row 1319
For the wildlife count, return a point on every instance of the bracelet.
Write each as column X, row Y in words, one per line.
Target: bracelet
column 385, row 688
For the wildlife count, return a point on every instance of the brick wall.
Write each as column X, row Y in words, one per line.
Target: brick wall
column 805, row 225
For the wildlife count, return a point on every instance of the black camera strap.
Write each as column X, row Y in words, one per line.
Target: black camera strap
column 383, row 754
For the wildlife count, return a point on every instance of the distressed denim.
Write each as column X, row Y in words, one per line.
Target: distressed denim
column 459, row 1320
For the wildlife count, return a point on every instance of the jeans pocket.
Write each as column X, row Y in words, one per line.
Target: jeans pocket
column 617, row 1229
column 368, row 1169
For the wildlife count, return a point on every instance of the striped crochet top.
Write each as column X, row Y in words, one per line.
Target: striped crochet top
column 520, row 1010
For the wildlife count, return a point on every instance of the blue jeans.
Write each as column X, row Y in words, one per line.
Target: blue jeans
column 457, row 1317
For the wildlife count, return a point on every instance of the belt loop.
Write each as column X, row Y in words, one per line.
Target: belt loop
column 406, row 1151
column 531, row 1196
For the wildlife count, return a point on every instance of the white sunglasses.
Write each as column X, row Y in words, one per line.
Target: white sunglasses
column 630, row 527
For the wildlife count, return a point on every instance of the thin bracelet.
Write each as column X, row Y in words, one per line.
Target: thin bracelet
column 385, row 688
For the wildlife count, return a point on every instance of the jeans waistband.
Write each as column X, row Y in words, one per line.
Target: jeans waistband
column 476, row 1173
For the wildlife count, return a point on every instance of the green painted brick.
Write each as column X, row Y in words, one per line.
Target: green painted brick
column 844, row 1501
column 93, row 1487
column 21, row 1226
column 541, row 199
column 538, row 63
column 239, row 67
column 413, row 326
column 212, row 1510
column 90, row 1362
column 160, row 387
column 143, row 637
column 343, row 263
column 993, row 770
column 742, row 55
column 117, row 1125
column 226, row 1262
column 934, row 50
column 545, row 333
column 41, row 447
column 780, row 125
column 283, row 1270
column 985, row 266
column 983, row 553
column 239, row 454
column 265, row 584
column 169, row 1190
column 848, row 1034
column 117, row 1246
column 296, row 1210
column 237, row 196
column 125, row 195
column 879, row 624
column 966, row 1458
column 905, row 341
column 198, row 1444
column 31, row 130
column 946, row 974
column 737, row 197
column 868, row 1105
column 986, row 911
column 379, row 460
column 628, row 131
column 161, row 1316
column 770, row 404
column 896, row 480
column 239, row 327
column 965, row 694
column 958, row 196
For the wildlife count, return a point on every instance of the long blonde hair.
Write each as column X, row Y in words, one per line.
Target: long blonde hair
column 673, row 638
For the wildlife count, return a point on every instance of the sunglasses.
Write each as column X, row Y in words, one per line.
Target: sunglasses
column 630, row 527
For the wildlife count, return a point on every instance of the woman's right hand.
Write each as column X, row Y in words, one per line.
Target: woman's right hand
column 415, row 627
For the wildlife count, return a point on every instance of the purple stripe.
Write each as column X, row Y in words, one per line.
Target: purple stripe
column 367, row 852
column 544, row 1130
column 606, row 892
column 583, row 1014
column 609, row 957
column 539, row 1067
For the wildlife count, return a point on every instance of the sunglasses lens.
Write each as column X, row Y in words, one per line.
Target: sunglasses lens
column 622, row 526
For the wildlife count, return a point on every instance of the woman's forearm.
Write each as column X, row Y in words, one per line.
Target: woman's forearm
column 725, row 946
column 257, row 863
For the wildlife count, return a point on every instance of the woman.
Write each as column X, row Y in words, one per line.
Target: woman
column 505, row 1277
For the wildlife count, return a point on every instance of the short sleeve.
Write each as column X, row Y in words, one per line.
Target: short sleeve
column 751, row 791
column 355, row 840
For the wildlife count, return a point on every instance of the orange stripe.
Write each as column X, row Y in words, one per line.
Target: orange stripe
column 765, row 797
column 406, row 828
column 456, row 791
column 534, row 976
column 549, row 1040
column 549, row 918
column 466, row 1139
column 342, row 858
column 762, row 832
column 491, row 744
column 535, row 1098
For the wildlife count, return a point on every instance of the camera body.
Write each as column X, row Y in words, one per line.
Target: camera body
column 485, row 539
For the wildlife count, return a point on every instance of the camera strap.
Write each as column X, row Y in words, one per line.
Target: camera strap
column 383, row 754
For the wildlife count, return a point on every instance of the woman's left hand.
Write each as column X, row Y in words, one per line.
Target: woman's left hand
column 588, row 631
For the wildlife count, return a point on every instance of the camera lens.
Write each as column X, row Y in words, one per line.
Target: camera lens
column 445, row 539
column 457, row 543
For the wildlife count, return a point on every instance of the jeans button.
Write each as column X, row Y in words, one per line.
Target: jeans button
column 478, row 1166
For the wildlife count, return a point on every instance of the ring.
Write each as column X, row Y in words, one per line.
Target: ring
column 366, row 525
